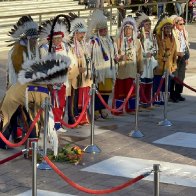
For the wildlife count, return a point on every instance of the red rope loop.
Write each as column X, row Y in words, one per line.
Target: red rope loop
column 11, row 157
column 156, row 94
column 181, row 82
column 91, row 191
column 78, row 120
column 122, row 106
column 26, row 136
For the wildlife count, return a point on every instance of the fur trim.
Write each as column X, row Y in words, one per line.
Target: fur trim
column 49, row 70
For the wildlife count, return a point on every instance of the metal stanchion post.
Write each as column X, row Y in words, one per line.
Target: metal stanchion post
column 165, row 122
column 92, row 148
column 136, row 133
column 187, row 3
column 34, row 163
column 156, row 168
column 110, row 21
column 43, row 165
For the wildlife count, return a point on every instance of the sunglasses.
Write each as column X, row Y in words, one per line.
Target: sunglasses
column 181, row 24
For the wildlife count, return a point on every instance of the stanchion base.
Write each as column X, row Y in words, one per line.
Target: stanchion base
column 44, row 166
column 136, row 134
column 92, row 149
column 165, row 123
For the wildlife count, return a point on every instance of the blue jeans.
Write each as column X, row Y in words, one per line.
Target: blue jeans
column 160, row 9
column 178, row 9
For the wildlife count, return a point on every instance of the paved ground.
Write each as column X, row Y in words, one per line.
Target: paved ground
column 112, row 138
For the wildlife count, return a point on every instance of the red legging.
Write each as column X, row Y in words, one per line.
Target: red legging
column 121, row 90
column 60, row 97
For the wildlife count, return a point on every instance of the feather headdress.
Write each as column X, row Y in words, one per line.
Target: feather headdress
column 61, row 29
column 25, row 28
column 162, row 23
column 173, row 17
column 141, row 18
column 78, row 25
column 95, row 22
column 162, row 16
column 128, row 21
column 49, row 70
column 176, row 19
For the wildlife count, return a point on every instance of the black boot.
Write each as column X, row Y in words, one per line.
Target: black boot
column 173, row 96
column 6, row 134
column 179, row 89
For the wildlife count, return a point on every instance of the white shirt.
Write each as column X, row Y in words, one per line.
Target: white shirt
column 182, row 41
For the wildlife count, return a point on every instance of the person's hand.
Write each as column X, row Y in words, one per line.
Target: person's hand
column 82, row 70
column 1, row 117
column 140, row 72
column 148, row 55
column 50, row 88
column 180, row 54
column 165, row 59
column 125, row 58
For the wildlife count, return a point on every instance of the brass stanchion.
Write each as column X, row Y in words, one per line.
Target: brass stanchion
column 136, row 133
column 165, row 122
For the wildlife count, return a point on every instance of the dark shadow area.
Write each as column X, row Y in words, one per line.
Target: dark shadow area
column 192, row 45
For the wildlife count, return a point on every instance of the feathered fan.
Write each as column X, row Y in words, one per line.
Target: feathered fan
column 52, row 69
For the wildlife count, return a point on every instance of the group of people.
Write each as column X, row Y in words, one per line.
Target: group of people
column 87, row 54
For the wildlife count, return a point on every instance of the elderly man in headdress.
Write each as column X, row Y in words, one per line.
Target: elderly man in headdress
column 103, row 53
column 130, row 63
column 182, row 43
column 32, row 88
column 82, row 83
column 167, row 53
column 149, row 46
column 60, row 45
column 24, row 47
column 24, row 37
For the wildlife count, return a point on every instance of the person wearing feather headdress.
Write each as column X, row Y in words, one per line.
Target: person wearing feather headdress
column 149, row 46
column 24, row 36
column 130, row 63
column 167, row 54
column 24, row 41
column 103, row 53
column 34, row 77
column 182, row 43
column 60, row 45
column 82, row 83
column 32, row 89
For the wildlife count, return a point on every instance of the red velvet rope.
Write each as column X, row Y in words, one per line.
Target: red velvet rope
column 180, row 82
column 91, row 191
column 11, row 157
column 26, row 136
column 156, row 94
column 78, row 120
column 119, row 108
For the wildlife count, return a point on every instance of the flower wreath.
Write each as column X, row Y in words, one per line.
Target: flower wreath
column 71, row 154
